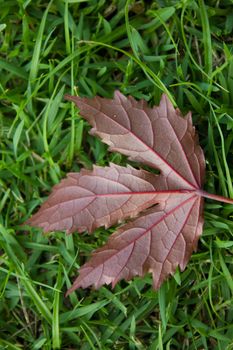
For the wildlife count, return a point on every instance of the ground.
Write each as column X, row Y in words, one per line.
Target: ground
column 142, row 48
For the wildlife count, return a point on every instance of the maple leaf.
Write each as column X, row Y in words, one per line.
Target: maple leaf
column 166, row 232
column 102, row 197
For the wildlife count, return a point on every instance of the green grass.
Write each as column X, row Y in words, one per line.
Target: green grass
column 47, row 49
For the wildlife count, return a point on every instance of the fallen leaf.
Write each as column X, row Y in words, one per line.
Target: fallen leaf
column 102, row 197
column 158, row 137
column 157, row 241
column 161, row 237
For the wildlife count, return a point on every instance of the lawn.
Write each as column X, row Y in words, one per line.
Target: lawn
column 143, row 48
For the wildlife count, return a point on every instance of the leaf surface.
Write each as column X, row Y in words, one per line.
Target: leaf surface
column 102, row 197
column 158, row 242
column 168, row 206
column 158, row 136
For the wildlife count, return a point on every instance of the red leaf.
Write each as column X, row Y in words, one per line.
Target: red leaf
column 158, row 242
column 102, row 197
column 157, row 136
column 162, row 237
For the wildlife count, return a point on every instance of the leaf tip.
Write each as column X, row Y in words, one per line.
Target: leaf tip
column 69, row 291
column 118, row 95
column 70, row 98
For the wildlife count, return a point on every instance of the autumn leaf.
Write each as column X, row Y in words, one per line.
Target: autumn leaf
column 102, row 197
column 168, row 207
column 158, row 137
column 157, row 241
